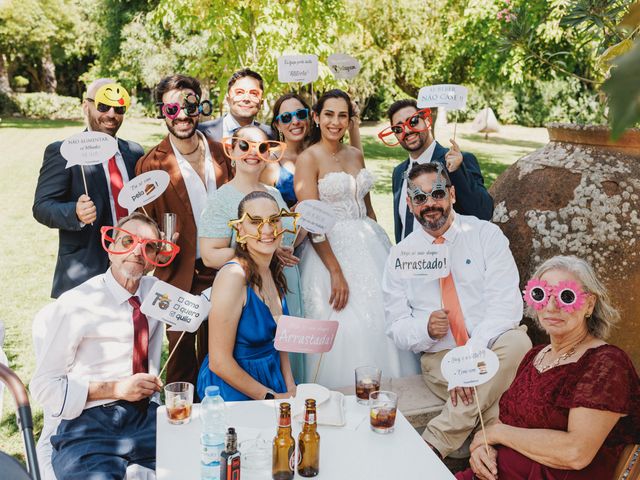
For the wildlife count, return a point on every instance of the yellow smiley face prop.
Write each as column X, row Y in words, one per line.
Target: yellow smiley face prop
column 113, row 95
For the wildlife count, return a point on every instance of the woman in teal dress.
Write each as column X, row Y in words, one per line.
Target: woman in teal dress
column 247, row 298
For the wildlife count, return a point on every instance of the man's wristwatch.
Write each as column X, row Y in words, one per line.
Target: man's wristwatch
column 270, row 395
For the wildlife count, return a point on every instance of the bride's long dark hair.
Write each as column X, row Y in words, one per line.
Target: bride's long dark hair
column 316, row 135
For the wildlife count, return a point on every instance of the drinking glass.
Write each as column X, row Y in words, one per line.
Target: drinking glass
column 382, row 411
column 367, row 381
column 178, row 398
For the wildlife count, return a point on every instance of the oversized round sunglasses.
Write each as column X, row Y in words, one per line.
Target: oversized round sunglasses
column 192, row 107
column 157, row 252
column 268, row 150
column 568, row 294
column 104, row 108
column 287, row 117
column 419, row 197
column 393, row 135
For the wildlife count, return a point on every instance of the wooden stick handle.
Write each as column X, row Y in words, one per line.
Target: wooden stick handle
column 484, row 433
column 84, row 180
column 175, row 347
column 315, row 376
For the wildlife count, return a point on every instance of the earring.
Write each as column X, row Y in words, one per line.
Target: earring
column 280, row 136
column 317, row 125
column 233, row 163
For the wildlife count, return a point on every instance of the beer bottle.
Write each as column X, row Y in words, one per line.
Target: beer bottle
column 284, row 446
column 309, row 442
column 230, row 457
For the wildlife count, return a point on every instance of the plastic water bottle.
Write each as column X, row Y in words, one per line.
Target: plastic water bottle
column 212, row 415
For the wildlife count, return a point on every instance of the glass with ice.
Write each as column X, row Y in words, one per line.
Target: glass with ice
column 367, row 381
column 382, row 411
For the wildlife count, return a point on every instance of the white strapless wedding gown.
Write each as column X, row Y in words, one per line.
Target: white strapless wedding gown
column 361, row 247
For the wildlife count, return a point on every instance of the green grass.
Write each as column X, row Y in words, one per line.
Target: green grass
column 28, row 249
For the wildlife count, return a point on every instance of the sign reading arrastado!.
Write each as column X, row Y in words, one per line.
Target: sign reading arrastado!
column 464, row 367
column 451, row 97
column 143, row 189
column 88, row 148
column 343, row 66
column 304, row 335
column 430, row 261
column 297, row 68
column 175, row 307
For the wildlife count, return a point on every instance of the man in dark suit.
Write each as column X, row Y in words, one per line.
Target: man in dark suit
column 196, row 166
column 61, row 202
column 244, row 98
column 414, row 135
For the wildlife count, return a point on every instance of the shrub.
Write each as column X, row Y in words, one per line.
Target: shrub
column 20, row 82
column 47, row 105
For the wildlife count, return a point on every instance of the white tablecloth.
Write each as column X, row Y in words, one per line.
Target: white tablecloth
column 350, row 452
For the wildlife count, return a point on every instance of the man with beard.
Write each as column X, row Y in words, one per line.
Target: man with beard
column 477, row 303
column 412, row 130
column 60, row 199
column 244, row 98
column 197, row 166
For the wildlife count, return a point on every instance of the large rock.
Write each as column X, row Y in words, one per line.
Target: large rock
column 580, row 195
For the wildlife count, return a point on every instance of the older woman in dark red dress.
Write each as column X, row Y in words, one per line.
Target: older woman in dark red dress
column 574, row 403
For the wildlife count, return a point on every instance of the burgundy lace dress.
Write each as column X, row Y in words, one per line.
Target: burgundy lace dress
column 603, row 379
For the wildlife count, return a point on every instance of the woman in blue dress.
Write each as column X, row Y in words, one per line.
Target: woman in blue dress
column 247, row 298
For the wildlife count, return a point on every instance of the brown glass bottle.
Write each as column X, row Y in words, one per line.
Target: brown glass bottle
column 284, row 446
column 309, row 442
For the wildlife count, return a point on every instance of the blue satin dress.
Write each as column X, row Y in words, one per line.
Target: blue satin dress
column 285, row 187
column 254, row 351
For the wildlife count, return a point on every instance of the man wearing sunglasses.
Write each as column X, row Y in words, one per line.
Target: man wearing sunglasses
column 244, row 99
column 413, row 133
column 197, row 166
column 97, row 363
column 60, row 199
column 477, row 303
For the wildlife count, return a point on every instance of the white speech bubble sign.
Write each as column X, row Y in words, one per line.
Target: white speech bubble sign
column 451, row 97
column 316, row 216
column 464, row 367
column 88, row 148
column 429, row 262
column 343, row 66
column 175, row 307
column 143, row 189
column 297, row 68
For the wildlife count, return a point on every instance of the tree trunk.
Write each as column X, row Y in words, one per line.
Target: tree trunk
column 49, row 72
column 5, row 87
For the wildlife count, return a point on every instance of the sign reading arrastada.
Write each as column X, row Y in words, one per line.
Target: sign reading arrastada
column 316, row 216
column 297, row 68
column 143, row 189
column 430, row 261
column 451, row 97
column 304, row 335
column 88, row 148
column 343, row 66
column 175, row 307
column 464, row 367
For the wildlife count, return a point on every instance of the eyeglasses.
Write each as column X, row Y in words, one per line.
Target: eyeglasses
column 287, row 117
column 274, row 221
column 419, row 197
column 104, row 108
column 269, row 150
column 192, row 107
column 238, row 94
column 393, row 135
column 569, row 295
column 157, row 252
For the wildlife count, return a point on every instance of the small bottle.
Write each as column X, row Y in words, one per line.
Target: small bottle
column 309, row 442
column 212, row 415
column 284, row 446
column 230, row 458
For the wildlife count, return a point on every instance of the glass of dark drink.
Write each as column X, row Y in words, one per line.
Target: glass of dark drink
column 178, row 398
column 382, row 411
column 367, row 381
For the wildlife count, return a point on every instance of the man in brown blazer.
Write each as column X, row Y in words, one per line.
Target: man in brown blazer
column 196, row 166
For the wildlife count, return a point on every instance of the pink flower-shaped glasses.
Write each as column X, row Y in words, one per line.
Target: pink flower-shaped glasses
column 569, row 295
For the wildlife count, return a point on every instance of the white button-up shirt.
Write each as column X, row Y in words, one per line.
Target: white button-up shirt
column 425, row 157
column 486, row 280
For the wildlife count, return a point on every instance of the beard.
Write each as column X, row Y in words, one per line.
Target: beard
column 183, row 135
column 435, row 224
column 421, row 141
column 103, row 124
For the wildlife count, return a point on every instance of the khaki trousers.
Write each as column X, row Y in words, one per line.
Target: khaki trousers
column 449, row 430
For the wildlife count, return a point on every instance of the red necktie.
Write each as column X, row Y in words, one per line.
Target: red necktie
column 450, row 302
column 140, row 338
column 115, row 179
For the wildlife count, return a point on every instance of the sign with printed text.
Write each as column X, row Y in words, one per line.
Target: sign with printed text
column 343, row 66
column 451, row 97
column 297, row 68
column 304, row 335
column 316, row 216
column 464, row 367
column 175, row 307
column 88, row 148
column 143, row 189
column 429, row 262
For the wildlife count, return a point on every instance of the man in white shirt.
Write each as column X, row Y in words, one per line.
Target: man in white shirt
column 479, row 304
column 196, row 166
column 97, row 361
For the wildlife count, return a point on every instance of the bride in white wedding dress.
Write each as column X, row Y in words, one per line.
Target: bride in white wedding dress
column 341, row 274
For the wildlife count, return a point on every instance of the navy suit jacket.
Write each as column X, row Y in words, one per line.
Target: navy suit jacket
column 213, row 129
column 472, row 197
column 80, row 253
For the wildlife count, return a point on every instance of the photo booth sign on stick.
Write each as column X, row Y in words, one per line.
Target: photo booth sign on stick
column 343, row 66
column 181, row 310
column 143, row 189
column 430, row 262
column 464, row 367
column 304, row 335
column 316, row 216
column 297, row 68
column 88, row 148
column 451, row 97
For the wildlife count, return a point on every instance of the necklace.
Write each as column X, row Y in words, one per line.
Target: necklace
column 334, row 155
column 556, row 362
column 192, row 151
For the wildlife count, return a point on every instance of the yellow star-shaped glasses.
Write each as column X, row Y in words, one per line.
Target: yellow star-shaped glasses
column 260, row 222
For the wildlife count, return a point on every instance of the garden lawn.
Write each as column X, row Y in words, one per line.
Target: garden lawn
column 28, row 249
